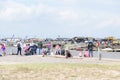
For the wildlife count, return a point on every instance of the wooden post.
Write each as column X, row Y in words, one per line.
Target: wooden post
column 99, row 54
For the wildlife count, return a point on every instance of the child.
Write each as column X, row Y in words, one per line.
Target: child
column 86, row 54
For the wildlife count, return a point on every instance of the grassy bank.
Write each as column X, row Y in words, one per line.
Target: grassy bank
column 59, row 71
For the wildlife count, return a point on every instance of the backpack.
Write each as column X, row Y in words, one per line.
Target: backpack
column 18, row 45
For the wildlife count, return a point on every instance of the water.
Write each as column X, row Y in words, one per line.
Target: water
column 11, row 50
column 110, row 55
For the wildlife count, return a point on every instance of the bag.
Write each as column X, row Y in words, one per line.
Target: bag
column 86, row 54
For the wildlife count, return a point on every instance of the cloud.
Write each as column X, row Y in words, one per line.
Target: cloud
column 60, row 12
column 60, row 17
column 108, row 2
column 68, row 15
column 97, row 2
column 12, row 10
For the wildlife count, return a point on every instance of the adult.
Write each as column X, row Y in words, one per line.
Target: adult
column 26, row 49
column 3, row 48
column 40, row 46
column 31, row 50
column 90, row 49
column 19, row 48
column 35, row 49
column 68, row 54
column 44, row 52
column 49, row 48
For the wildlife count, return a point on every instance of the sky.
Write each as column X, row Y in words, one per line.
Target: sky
column 63, row 18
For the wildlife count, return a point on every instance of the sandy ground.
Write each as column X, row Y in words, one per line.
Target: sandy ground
column 12, row 59
column 57, row 72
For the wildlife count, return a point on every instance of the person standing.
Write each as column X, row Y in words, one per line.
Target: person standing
column 35, row 49
column 40, row 45
column 49, row 48
column 3, row 48
column 90, row 49
column 19, row 48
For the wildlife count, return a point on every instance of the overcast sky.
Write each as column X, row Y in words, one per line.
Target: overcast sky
column 66, row 18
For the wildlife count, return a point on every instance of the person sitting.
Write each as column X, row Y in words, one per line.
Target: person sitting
column 58, row 49
column 26, row 49
column 44, row 52
column 68, row 54
column 31, row 50
column 63, row 52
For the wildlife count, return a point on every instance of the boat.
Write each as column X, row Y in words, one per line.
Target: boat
column 108, row 50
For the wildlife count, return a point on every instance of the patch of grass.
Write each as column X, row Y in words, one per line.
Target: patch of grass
column 59, row 71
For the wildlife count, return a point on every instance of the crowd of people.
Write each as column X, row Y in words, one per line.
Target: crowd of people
column 38, row 48
column 44, row 51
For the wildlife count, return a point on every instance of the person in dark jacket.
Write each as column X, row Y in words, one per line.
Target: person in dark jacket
column 68, row 54
column 90, row 49
column 40, row 46
column 19, row 49
column 35, row 49
column 31, row 50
